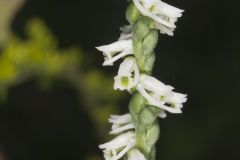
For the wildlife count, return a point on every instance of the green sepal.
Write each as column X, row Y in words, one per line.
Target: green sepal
column 142, row 28
column 147, row 138
column 149, row 43
column 136, row 105
column 153, row 134
column 148, row 116
column 149, row 64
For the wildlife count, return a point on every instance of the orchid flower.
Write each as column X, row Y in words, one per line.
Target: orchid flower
column 118, row 147
column 160, row 95
column 115, row 51
column 164, row 14
column 128, row 75
column 121, row 123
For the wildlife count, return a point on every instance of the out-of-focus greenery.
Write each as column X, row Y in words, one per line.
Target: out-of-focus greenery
column 8, row 10
column 37, row 56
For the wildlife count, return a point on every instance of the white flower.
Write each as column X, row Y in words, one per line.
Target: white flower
column 160, row 95
column 110, row 52
column 121, row 123
column 176, row 99
column 165, row 15
column 118, row 147
column 135, row 154
column 128, row 74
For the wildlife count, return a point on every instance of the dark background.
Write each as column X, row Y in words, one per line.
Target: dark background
column 202, row 60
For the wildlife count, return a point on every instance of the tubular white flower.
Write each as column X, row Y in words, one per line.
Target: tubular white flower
column 128, row 75
column 110, row 51
column 165, row 15
column 176, row 99
column 164, row 30
column 160, row 95
column 135, row 154
column 119, row 146
column 121, row 123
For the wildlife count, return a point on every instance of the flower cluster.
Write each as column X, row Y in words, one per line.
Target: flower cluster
column 164, row 14
column 131, row 79
column 125, row 142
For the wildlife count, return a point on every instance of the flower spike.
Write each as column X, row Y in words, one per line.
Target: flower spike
column 138, row 131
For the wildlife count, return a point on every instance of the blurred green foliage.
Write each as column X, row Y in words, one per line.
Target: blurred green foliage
column 38, row 56
column 8, row 10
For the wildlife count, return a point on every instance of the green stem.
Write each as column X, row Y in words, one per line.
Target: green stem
column 144, row 116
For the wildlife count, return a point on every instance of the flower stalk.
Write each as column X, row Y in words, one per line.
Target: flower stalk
column 150, row 97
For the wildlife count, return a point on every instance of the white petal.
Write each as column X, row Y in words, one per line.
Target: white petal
column 155, row 102
column 124, row 36
column 126, row 29
column 162, row 114
column 147, row 13
column 164, row 30
column 176, row 98
column 116, row 148
column 153, row 85
column 135, row 154
column 118, row 142
column 130, row 145
column 116, row 46
column 128, row 75
column 126, row 67
column 117, row 57
column 164, row 14
column 168, row 10
column 115, row 51
column 126, row 118
column 121, row 129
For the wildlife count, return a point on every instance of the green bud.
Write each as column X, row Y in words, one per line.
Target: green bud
column 132, row 14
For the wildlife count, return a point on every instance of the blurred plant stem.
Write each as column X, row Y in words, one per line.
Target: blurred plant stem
column 9, row 9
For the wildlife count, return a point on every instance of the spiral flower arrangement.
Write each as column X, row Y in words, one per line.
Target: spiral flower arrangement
column 138, row 131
